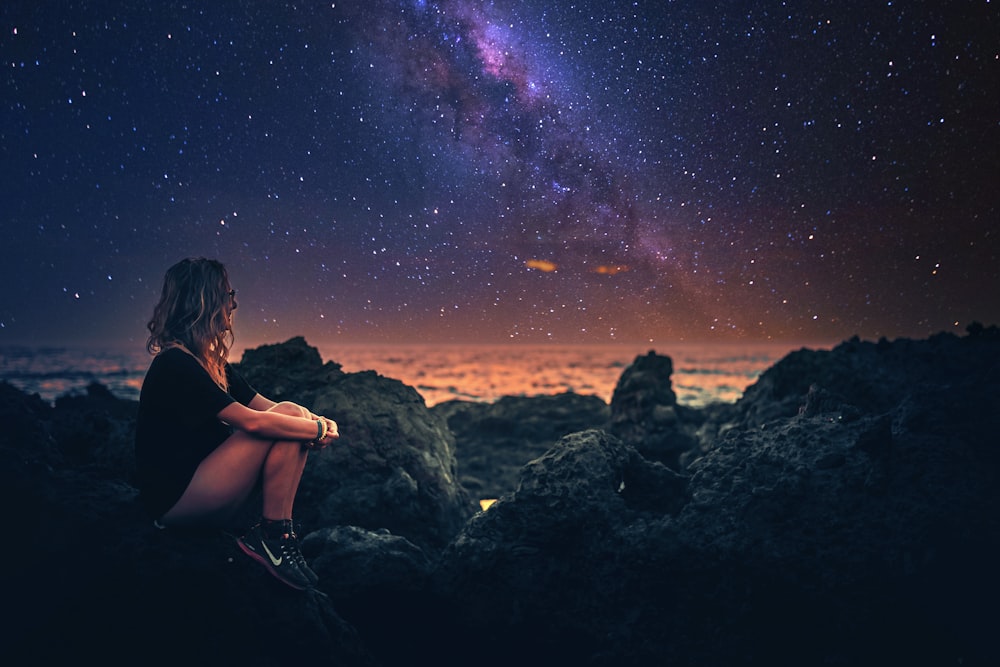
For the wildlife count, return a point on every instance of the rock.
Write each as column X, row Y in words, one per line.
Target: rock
column 857, row 525
column 645, row 413
column 96, row 431
column 493, row 441
column 96, row 582
column 540, row 574
column 863, row 377
column 26, row 424
column 380, row 583
column 359, row 561
column 284, row 369
column 394, row 464
column 843, row 512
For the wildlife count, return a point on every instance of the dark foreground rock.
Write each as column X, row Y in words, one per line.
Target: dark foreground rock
column 88, row 580
column 494, row 440
column 394, row 465
column 856, row 526
column 843, row 513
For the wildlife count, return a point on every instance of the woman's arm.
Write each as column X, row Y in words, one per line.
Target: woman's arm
column 268, row 424
column 260, row 402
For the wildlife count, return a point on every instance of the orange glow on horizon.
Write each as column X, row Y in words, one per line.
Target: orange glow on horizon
column 488, row 372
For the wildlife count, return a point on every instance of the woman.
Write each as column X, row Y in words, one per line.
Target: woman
column 204, row 437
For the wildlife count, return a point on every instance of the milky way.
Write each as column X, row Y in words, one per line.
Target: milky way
column 504, row 171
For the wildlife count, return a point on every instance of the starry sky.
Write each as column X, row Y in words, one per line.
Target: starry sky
column 454, row 171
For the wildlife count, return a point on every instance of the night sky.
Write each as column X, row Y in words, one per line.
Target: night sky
column 533, row 170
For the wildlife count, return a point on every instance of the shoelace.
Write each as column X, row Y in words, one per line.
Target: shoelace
column 295, row 553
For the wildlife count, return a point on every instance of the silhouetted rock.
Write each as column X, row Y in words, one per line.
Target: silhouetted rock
column 92, row 581
column 381, row 583
column 859, row 528
column 842, row 513
column 284, row 369
column 866, row 377
column 394, row 464
column 494, row 440
column 645, row 413
column 95, row 432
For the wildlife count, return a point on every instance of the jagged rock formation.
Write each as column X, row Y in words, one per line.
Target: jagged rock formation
column 494, row 440
column 394, row 465
column 842, row 512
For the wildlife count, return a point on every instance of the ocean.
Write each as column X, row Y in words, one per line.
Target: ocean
column 703, row 373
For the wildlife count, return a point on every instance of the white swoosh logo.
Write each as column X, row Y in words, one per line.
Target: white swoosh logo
column 275, row 561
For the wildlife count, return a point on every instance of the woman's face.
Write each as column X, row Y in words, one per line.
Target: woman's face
column 232, row 305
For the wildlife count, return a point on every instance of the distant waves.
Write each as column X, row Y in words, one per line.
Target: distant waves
column 51, row 372
column 702, row 373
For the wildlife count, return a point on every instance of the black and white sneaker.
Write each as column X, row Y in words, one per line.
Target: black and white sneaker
column 301, row 562
column 280, row 556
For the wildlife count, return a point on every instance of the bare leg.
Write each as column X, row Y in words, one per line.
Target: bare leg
column 283, row 470
column 226, row 477
column 282, row 473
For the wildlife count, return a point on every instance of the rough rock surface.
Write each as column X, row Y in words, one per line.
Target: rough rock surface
column 842, row 513
column 645, row 413
column 88, row 578
column 857, row 527
column 394, row 465
column 494, row 440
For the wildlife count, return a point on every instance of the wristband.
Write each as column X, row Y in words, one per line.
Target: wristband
column 320, row 429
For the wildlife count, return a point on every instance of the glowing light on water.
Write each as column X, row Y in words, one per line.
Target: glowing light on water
column 703, row 373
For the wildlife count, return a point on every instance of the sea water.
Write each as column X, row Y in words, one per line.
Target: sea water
column 703, row 373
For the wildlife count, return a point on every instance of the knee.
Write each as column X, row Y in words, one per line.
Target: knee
column 289, row 408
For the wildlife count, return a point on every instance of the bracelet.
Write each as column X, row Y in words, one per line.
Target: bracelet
column 320, row 429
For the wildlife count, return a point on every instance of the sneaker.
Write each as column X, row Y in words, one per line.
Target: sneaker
column 279, row 556
column 301, row 561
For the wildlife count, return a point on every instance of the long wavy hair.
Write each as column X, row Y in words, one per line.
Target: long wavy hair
column 196, row 311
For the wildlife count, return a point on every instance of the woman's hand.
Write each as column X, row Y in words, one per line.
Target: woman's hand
column 329, row 436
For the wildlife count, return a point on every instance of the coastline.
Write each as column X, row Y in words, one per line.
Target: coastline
column 752, row 534
column 703, row 372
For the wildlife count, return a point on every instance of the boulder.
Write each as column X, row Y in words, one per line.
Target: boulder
column 96, row 431
column 25, row 425
column 842, row 513
column 380, row 583
column 493, row 441
column 92, row 580
column 394, row 464
column 540, row 576
column 290, row 368
column 859, row 528
column 645, row 413
column 870, row 377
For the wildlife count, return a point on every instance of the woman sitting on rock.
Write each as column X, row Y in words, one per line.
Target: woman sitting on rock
column 204, row 437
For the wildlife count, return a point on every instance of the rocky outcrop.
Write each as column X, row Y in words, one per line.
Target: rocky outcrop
column 494, row 440
column 542, row 576
column 394, row 465
column 87, row 578
column 870, row 378
column 857, row 532
column 843, row 513
column 645, row 413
